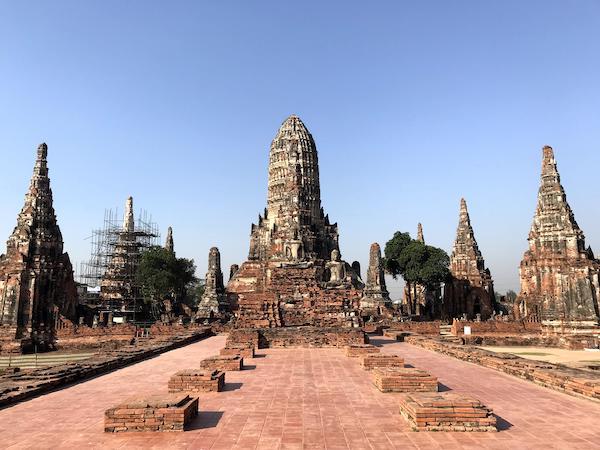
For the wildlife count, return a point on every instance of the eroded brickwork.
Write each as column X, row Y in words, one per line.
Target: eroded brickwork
column 559, row 275
column 213, row 301
column 471, row 291
column 294, row 274
column 36, row 276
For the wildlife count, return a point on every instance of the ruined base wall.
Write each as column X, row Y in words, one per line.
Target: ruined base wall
column 267, row 295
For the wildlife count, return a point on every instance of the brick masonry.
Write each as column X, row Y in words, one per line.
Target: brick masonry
column 575, row 382
column 158, row 413
column 354, row 351
column 446, row 411
column 370, row 362
column 197, row 380
column 223, row 363
column 404, row 379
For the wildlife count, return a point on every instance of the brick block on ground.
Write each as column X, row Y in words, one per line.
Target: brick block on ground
column 446, row 411
column 223, row 363
column 244, row 352
column 170, row 412
column 379, row 360
column 356, row 350
column 197, row 380
column 404, row 379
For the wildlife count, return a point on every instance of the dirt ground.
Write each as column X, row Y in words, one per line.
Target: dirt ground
column 571, row 358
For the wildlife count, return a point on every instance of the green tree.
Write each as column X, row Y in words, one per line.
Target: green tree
column 417, row 263
column 163, row 276
column 392, row 251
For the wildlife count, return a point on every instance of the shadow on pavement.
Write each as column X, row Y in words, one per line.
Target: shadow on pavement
column 206, row 419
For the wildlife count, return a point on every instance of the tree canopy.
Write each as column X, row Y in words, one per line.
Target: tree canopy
column 417, row 263
column 162, row 276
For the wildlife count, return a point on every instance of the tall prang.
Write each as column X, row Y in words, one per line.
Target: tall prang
column 294, row 274
column 36, row 276
column 559, row 274
column 169, row 244
column 375, row 293
column 471, row 291
column 213, row 301
column 294, row 226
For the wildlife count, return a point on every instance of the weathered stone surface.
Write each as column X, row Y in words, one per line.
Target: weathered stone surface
column 575, row 382
column 559, row 275
column 169, row 244
column 307, row 337
column 213, row 301
column 376, row 294
column 244, row 352
column 223, row 363
column 158, row 413
column 471, row 291
column 446, row 411
column 36, row 276
column 358, row 350
column 403, row 379
column 16, row 387
column 197, row 380
column 294, row 274
column 372, row 361
column 118, row 285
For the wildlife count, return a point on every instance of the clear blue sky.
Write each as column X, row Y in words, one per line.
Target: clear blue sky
column 412, row 105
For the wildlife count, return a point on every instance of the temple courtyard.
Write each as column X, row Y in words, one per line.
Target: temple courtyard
column 302, row 398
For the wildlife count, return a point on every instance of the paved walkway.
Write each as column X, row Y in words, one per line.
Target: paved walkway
column 299, row 398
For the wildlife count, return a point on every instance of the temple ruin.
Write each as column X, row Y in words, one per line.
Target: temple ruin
column 559, row 274
column 116, row 252
column 294, row 274
column 375, row 294
column 36, row 276
column 169, row 244
column 213, row 302
column 470, row 293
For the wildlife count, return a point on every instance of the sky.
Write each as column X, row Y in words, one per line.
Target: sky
column 412, row 104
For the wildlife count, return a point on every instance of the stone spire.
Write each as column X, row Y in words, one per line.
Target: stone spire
column 472, row 291
column 128, row 220
column 169, row 245
column 213, row 299
column 420, row 237
column 559, row 275
column 36, row 277
column 554, row 223
column 294, row 226
column 466, row 257
column 375, row 292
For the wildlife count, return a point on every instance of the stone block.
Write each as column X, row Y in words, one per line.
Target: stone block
column 446, row 411
column 370, row 362
column 223, row 363
column 403, row 379
column 356, row 350
column 247, row 352
column 157, row 413
column 197, row 380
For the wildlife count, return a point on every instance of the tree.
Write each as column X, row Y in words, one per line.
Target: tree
column 392, row 251
column 163, row 276
column 417, row 263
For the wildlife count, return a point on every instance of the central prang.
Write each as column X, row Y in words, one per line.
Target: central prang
column 294, row 274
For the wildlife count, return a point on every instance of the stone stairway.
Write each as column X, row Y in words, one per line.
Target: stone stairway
column 447, row 336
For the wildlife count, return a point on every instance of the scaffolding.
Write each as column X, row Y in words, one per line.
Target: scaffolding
column 116, row 251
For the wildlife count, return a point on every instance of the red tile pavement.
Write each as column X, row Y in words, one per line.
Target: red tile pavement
column 301, row 398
